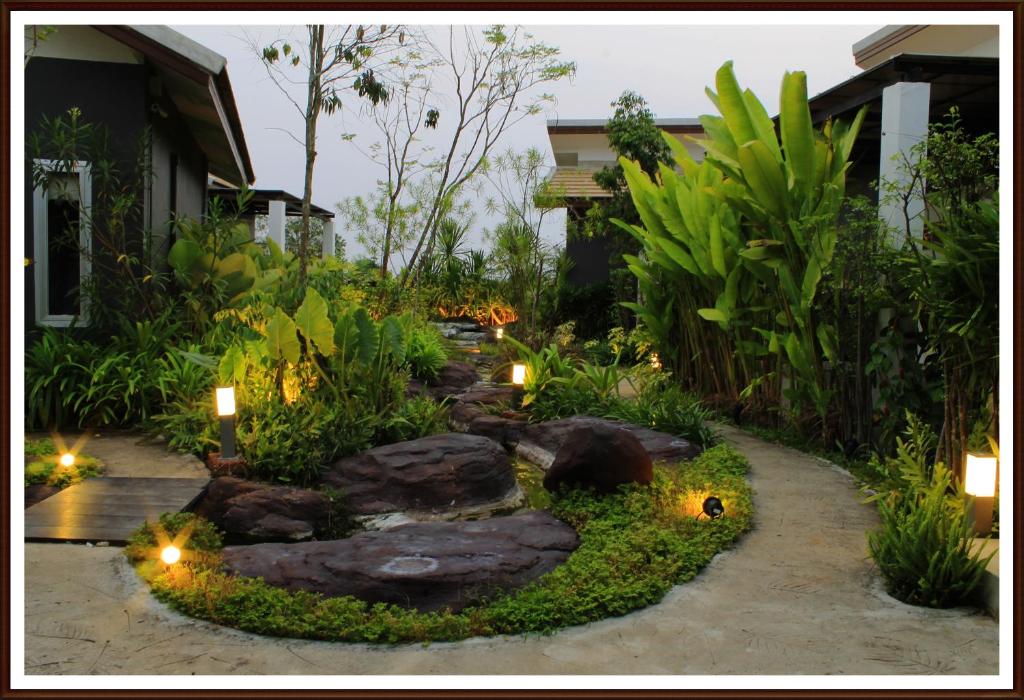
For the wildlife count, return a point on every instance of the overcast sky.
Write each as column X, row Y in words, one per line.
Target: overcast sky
column 668, row 65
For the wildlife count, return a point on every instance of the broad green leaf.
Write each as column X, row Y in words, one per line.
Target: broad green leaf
column 366, row 346
column 829, row 341
column 715, row 244
column 812, row 275
column 233, row 364
column 314, row 323
column 795, row 125
column 732, row 105
column 282, row 338
column 392, row 339
column 678, row 255
column 763, row 124
column 764, row 177
column 185, row 255
column 713, row 315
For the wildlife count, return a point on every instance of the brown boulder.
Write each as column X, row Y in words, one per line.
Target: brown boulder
column 260, row 512
column 427, row 566
column 453, row 379
column 538, row 442
column 435, row 473
column 599, row 456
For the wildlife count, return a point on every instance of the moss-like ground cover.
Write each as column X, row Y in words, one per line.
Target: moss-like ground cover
column 42, row 465
column 634, row 546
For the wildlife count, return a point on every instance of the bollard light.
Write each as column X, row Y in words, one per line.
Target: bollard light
column 170, row 554
column 499, row 332
column 980, row 473
column 226, row 412
column 519, row 374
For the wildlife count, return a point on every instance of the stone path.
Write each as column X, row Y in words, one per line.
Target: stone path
column 796, row 596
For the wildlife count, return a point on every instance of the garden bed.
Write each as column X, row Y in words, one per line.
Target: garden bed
column 634, row 545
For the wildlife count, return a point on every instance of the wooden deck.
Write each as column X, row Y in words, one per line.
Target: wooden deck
column 108, row 508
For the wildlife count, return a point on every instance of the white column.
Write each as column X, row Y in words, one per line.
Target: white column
column 328, row 241
column 275, row 223
column 904, row 124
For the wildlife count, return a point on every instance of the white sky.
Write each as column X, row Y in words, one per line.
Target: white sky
column 668, row 65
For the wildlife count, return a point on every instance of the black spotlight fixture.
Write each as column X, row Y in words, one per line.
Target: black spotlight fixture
column 713, row 507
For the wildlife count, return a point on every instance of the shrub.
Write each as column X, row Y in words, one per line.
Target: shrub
column 418, row 417
column 44, row 465
column 923, row 548
column 425, row 355
column 634, row 546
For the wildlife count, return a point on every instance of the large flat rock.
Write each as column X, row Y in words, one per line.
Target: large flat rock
column 428, row 566
column 539, row 442
column 252, row 511
column 436, row 473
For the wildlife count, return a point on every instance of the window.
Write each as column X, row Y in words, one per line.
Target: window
column 61, row 243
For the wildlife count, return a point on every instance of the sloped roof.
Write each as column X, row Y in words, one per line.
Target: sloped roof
column 197, row 80
column 573, row 182
column 681, row 125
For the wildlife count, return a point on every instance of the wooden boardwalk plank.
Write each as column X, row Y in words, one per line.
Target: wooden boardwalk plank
column 108, row 508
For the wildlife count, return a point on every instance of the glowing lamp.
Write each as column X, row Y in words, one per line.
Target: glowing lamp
column 499, row 332
column 655, row 361
column 170, row 554
column 980, row 472
column 226, row 410
column 980, row 475
column 225, row 401
column 67, row 459
column 519, row 373
column 713, row 507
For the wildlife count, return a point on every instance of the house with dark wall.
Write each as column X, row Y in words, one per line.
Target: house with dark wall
column 127, row 78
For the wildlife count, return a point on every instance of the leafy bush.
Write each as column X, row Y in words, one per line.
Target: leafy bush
column 425, row 354
column 634, row 546
column 192, row 534
column 923, row 548
column 418, row 417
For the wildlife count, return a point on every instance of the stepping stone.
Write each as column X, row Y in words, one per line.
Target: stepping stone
column 427, row 566
column 438, row 473
column 108, row 508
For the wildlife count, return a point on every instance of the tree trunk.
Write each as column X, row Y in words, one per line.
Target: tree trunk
column 313, row 105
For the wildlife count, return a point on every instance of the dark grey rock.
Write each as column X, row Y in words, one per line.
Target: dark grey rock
column 427, row 566
column 453, row 379
column 498, row 428
column 538, row 442
column 601, row 456
column 252, row 511
column 435, row 473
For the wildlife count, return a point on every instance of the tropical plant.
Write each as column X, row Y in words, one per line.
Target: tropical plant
column 745, row 237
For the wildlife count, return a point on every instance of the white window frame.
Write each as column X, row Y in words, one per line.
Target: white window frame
column 41, row 245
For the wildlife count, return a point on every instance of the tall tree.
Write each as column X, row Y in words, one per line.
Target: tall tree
column 493, row 78
column 632, row 134
column 336, row 59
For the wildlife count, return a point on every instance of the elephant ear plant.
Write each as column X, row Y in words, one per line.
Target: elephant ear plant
column 748, row 232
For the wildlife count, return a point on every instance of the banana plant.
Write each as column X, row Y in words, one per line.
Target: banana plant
column 754, row 225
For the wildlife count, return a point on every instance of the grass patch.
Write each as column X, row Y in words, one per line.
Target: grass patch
column 42, row 465
column 634, row 546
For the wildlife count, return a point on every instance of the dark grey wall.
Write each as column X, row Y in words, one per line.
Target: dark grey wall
column 179, row 171
column 106, row 93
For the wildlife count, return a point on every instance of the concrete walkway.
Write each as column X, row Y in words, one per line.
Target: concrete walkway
column 796, row 596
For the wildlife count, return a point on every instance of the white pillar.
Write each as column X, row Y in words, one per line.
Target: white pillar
column 328, row 241
column 275, row 223
column 904, row 125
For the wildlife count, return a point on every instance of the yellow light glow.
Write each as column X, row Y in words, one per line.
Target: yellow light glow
column 980, row 475
column 67, row 459
column 170, row 554
column 519, row 374
column 225, row 401
column 499, row 333
column 655, row 361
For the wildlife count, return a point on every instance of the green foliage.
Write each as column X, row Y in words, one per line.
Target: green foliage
column 43, row 465
column 425, row 353
column 741, row 241
column 197, row 536
column 543, row 368
column 418, row 417
column 634, row 546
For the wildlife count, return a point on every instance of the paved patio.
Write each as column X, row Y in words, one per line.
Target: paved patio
column 796, row 596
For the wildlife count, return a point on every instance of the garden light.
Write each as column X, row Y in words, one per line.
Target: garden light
column 170, row 554
column 67, row 459
column 713, row 507
column 980, row 473
column 226, row 411
column 499, row 332
column 519, row 373
column 655, row 361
